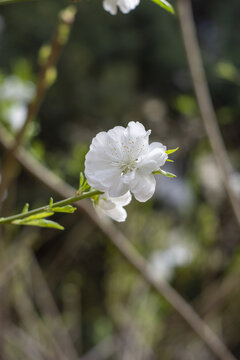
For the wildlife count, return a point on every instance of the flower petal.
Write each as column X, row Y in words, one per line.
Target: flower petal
column 118, row 214
column 118, row 189
column 110, row 6
column 143, row 187
column 127, row 5
column 123, row 200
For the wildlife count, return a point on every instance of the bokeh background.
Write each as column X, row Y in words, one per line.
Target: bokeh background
column 75, row 284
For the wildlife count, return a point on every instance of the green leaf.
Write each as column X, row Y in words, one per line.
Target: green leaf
column 170, row 151
column 25, row 209
column 41, row 215
column 165, row 5
column 169, row 160
column 164, row 173
column 81, row 180
column 66, row 209
column 51, row 202
column 39, row 222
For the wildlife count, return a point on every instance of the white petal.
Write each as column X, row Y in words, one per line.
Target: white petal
column 118, row 189
column 128, row 177
column 157, row 152
column 127, row 5
column 118, row 214
column 143, row 187
column 110, row 6
column 113, row 207
column 158, row 145
column 135, row 141
column 123, row 200
column 146, row 166
column 105, row 204
column 136, row 129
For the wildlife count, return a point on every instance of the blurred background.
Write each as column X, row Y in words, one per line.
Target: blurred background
column 66, row 294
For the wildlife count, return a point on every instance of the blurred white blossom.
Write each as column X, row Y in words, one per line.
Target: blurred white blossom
column 235, row 183
column 113, row 207
column 122, row 160
column 15, row 89
column 162, row 263
column 16, row 115
column 124, row 5
column 16, row 94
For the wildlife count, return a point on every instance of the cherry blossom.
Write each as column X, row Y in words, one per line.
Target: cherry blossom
column 122, row 160
column 113, row 207
column 124, row 5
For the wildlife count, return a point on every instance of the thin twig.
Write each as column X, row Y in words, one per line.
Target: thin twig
column 52, row 182
column 49, row 208
column 66, row 19
column 204, row 100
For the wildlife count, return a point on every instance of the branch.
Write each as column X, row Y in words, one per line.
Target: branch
column 44, row 81
column 52, row 182
column 49, row 208
column 204, row 101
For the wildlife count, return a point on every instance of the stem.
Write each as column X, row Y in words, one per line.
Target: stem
column 67, row 201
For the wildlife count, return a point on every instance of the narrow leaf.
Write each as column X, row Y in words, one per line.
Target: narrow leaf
column 165, row 5
column 81, row 180
column 39, row 222
column 165, row 173
column 65, row 209
column 51, row 202
column 25, row 208
column 170, row 151
column 41, row 215
column 169, row 160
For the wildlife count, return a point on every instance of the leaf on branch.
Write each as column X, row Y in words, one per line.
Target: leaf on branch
column 83, row 185
column 170, row 151
column 81, row 180
column 41, row 215
column 39, row 222
column 164, row 173
column 169, row 160
column 65, row 209
column 165, row 5
column 25, row 208
column 51, row 202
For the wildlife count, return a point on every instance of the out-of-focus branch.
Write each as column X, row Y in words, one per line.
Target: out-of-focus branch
column 16, row 335
column 45, row 79
column 204, row 100
column 52, row 182
column 101, row 351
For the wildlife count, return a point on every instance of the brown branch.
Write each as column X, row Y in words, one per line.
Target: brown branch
column 52, row 182
column 204, row 101
column 59, row 40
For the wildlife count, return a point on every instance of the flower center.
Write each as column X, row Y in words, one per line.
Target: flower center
column 129, row 166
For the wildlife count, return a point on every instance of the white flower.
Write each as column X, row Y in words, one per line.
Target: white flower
column 124, row 5
column 122, row 160
column 16, row 115
column 113, row 207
